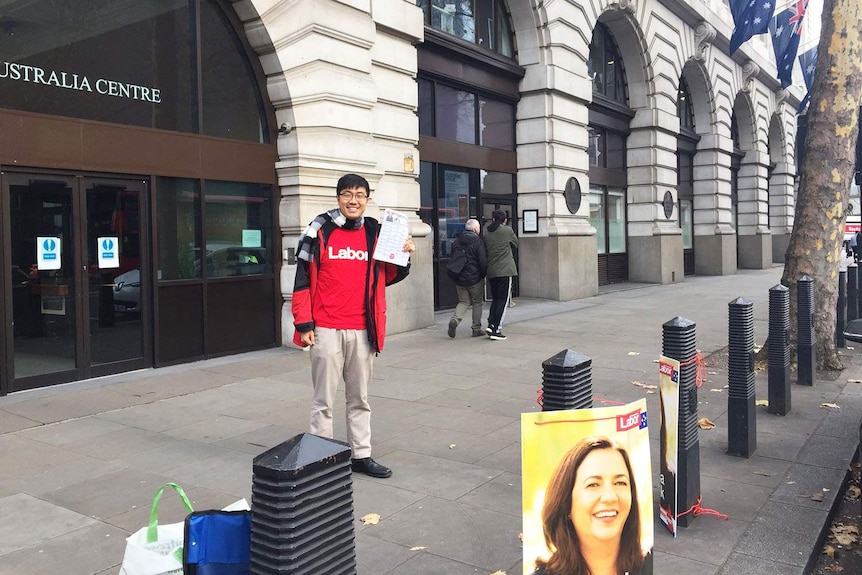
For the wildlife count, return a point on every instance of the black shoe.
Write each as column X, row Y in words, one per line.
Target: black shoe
column 453, row 325
column 498, row 336
column 370, row 467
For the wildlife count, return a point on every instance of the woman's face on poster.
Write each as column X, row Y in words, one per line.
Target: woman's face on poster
column 601, row 497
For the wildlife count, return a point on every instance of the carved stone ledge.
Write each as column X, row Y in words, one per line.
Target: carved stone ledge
column 704, row 34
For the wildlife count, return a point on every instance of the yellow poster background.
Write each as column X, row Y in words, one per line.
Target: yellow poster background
column 547, row 436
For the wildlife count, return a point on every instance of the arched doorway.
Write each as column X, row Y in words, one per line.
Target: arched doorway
column 608, row 130
column 468, row 92
column 686, row 149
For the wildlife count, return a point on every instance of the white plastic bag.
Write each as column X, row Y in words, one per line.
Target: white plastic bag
column 156, row 549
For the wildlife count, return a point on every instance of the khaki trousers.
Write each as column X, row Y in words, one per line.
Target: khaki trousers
column 342, row 354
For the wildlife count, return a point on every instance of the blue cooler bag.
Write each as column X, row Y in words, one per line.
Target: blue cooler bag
column 217, row 543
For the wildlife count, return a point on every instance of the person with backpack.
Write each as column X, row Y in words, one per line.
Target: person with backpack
column 467, row 269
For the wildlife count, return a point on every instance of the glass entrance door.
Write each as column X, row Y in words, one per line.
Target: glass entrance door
column 74, row 281
column 43, row 280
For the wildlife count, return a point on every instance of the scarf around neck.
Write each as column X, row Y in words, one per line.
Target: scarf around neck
column 305, row 246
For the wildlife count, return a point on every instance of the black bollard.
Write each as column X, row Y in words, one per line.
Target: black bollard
column 779, row 350
column 806, row 355
column 741, row 417
column 679, row 342
column 841, row 311
column 852, row 292
column 567, row 381
column 302, row 509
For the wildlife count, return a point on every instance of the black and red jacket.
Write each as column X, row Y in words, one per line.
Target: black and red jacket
column 380, row 274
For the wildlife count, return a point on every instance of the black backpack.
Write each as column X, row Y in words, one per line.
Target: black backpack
column 456, row 263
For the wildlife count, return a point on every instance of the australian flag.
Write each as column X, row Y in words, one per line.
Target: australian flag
column 750, row 17
column 785, row 30
column 807, row 61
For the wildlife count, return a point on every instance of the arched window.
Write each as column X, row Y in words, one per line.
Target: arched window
column 684, row 109
column 606, row 66
column 482, row 22
column 735, row 163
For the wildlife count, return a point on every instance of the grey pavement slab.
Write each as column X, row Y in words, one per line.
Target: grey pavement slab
column 83, row 460
column 28, row 521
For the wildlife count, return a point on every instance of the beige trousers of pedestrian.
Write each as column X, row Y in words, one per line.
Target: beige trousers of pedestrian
column 342, row 354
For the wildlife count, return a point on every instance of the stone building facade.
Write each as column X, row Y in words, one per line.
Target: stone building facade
column 342, row 77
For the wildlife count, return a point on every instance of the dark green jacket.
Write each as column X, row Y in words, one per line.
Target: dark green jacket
column 499, row 241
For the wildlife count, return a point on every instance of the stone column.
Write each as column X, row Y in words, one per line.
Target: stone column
column 654, row 240
column 342, row 80
column 559, row 262
column 781, row 208
column 715, row 238
column 753, row 235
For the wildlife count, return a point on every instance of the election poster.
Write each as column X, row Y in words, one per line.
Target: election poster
column 669, row 442
column 587, row 489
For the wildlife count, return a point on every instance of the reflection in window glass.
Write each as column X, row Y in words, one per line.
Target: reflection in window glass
column 179, row 228
column 454, row 17
column 594, row 146
column 496, row 124
column 426, row 107
column 496, row 183
column 616, row 221
column 231, row 104
column 607, row 66
column 453, row 201
column 597, row 216
column 238, row 229
column 686, row 223
column 615, row 150
column 456, row 115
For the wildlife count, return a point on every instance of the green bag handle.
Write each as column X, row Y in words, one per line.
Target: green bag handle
column 153, row 526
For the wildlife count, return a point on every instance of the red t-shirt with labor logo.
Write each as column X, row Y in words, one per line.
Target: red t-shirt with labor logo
column 341, row 278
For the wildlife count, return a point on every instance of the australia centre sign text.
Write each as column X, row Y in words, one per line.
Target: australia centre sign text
column 24, row 73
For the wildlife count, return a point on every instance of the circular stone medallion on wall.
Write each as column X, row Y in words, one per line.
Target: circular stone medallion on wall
column 667, row 202
column 572, row 194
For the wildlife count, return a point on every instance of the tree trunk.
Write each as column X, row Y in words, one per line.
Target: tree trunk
column 826, row 172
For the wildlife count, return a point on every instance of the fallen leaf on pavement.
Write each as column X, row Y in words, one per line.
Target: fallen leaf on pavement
column 417, row 548
column 817, row 497
column 830, row 405
column 853, row 492
column 716, row 389
column 761, row 402
column 520, row 536
column 644, row 385
column 634, row 353
column 854, row 381
column 763, row 473
column 371, row 519
column 452, row 446
column 845, row 534
column 650, row 391
column 829, row 550
column 711, row 373
column 704, row 423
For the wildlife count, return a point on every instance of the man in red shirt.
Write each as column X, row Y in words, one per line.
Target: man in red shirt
column 339, row 309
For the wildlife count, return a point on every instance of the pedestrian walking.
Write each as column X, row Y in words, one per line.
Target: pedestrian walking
column 500, row 240
column 339, row 309
column 468, row 253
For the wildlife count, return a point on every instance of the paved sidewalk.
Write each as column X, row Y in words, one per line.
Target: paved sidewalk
column 79, row 463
